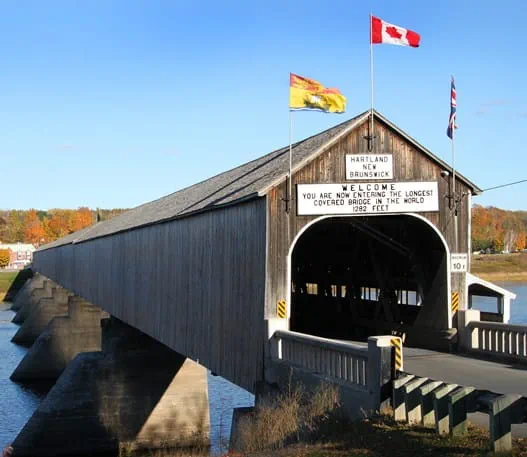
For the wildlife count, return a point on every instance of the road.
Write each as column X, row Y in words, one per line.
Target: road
column 467, row 371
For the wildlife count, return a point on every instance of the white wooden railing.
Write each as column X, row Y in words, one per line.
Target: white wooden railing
column 498, row 338
column 338, row 360
column 492, row 338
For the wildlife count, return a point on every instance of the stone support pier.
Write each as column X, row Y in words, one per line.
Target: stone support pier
column 36, row 294
column 41, row 314
column 24, row 294
column 135, row 393
column 61, row 341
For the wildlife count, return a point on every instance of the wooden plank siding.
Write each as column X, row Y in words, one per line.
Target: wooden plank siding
column 409, row 164
column 196, row 284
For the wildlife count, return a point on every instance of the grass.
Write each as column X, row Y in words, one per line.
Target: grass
column 298, row 424
column 290, row 417
column 504, row 267
column 6, row 279
column 381, row 436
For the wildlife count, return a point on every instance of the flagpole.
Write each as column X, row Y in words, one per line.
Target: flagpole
column 370, row 142
column 454, row 198
column 289, row 201
column 453, row 100
column 290, row 186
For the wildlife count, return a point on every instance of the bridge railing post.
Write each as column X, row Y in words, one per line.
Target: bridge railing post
column 468, row 336
column 275, row 347
column 380, row 371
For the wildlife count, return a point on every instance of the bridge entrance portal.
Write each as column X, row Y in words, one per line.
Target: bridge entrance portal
column 352, row 277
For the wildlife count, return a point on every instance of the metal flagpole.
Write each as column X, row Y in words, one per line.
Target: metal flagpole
column 454, row 198
column 453, row 102
column 289, row 201
column 370, row 142
column 290, row 158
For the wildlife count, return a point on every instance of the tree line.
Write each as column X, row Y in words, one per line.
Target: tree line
column 498, row 230
column 493, row 228
column 40, row 227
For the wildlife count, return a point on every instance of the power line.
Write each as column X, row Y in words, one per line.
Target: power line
column 504, row 185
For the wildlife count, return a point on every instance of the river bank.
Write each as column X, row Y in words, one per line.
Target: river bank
column 500, row 267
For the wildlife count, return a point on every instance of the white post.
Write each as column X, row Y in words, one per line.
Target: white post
column 468, row 337
column 379, row 371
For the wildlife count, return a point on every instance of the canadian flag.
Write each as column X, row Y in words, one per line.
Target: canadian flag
column 384, row 32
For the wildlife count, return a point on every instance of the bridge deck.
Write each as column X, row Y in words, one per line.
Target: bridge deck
column 468, row 371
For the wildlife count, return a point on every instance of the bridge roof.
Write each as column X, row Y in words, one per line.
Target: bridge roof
column 248, row 181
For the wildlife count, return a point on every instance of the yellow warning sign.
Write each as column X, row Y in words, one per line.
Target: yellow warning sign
column 455, row 302
column 397, row 344
column 281, row 309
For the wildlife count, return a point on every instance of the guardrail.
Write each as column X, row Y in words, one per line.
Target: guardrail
column 431, row 403
column 495, row 339
column 346, row 362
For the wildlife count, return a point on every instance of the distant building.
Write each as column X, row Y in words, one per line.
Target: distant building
column 20, row 254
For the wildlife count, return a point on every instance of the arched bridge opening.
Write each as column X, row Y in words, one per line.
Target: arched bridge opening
column 352, row 277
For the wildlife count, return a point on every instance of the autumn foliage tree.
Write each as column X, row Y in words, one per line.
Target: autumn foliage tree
column 39, row 227
column 497, row 229
column 34, row 231
column 4, row 258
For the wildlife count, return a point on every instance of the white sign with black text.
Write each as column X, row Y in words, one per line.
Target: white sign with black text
column 458, row 263
column 367, row 198
column 369, row 166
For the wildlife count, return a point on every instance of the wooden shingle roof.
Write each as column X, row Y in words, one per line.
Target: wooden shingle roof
column 248, row 181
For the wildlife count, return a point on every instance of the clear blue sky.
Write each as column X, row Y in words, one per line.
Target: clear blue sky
column 114, row 103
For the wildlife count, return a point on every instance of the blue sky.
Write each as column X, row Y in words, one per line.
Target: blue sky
column 114, row 103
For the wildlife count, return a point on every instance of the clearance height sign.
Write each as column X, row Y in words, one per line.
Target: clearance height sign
column 367, row 198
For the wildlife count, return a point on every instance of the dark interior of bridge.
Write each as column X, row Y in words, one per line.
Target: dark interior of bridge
column 353, row 277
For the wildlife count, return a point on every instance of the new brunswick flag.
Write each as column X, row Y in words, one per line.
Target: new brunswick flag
column 308, row 94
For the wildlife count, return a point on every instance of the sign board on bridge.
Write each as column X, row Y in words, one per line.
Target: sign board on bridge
column 458, row 263
column 369, row 166
column 367, row 198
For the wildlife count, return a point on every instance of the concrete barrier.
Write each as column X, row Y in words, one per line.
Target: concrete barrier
column 412, row 400
column 427, row 402
column 442, row 418
column 460, row 402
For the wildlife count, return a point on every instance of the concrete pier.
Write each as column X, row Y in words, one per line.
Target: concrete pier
column 36, row 294
column 61, row 341
column 137, row 393
column 41, row 314
column 24, row 294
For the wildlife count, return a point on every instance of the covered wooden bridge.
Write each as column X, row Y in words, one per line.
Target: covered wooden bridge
column 213, row 270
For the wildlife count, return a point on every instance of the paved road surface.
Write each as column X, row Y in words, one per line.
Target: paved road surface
column 466, row 371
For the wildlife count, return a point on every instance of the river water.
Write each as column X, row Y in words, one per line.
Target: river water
column 18, row 403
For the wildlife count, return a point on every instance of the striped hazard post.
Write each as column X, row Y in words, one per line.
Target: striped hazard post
column 455, row 302
column 281, row 309
column 397, row 344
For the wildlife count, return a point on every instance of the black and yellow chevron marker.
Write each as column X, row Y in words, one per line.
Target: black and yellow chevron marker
column 397, row 344
column 455, row 302
column 281, row 309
